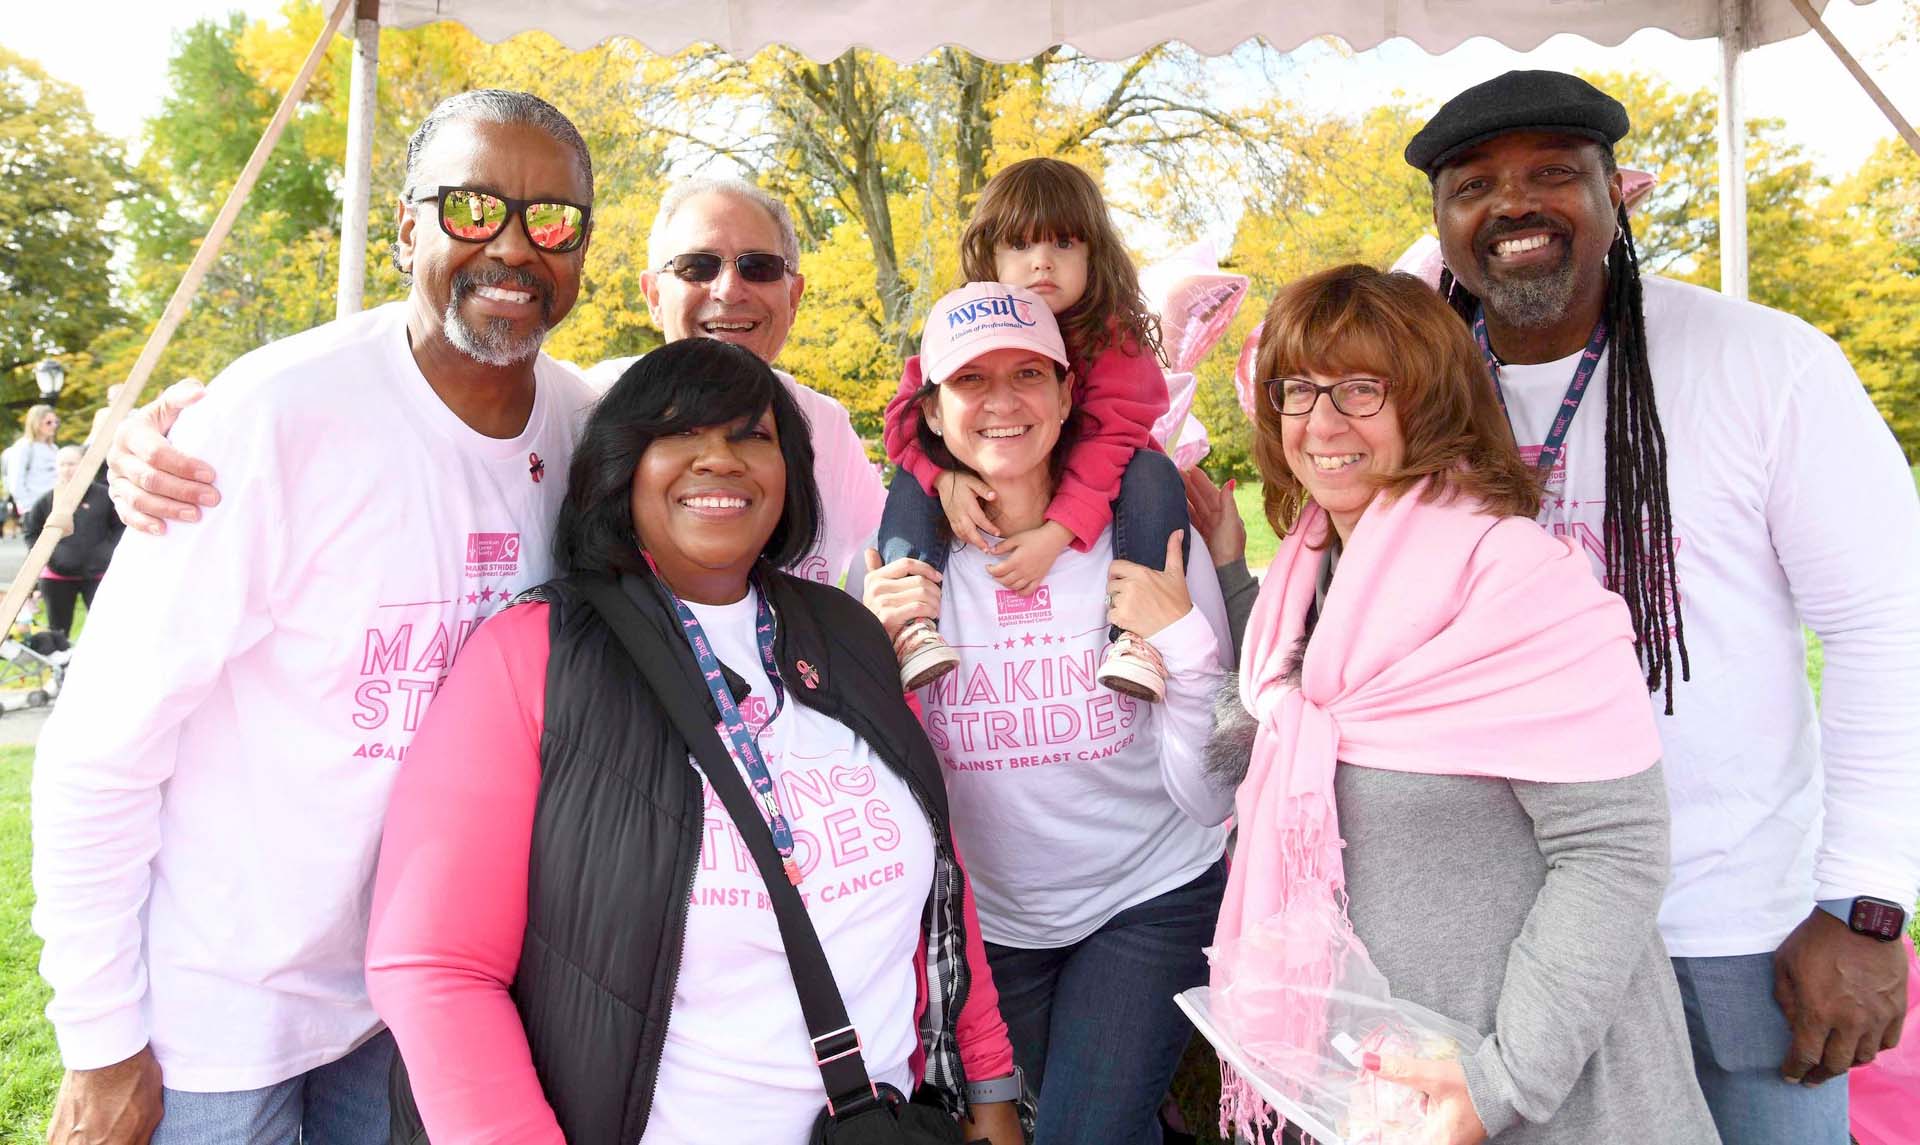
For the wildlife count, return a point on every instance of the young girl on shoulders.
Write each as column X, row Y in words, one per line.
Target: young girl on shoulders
column 1041, row 224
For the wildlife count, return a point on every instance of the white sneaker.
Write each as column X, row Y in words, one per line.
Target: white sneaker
column 1133, row 667
column 924, row 654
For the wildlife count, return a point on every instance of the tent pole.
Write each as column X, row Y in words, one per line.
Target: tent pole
column 1733, row 151
column 356, row 194
column 60, row 521
column 1860, row 75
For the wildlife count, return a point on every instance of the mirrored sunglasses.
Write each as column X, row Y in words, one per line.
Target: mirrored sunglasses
column 754, row 266
column 473, row 216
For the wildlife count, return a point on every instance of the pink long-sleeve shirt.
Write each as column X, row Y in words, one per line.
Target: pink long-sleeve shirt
column 1119, row 395
column 450, row 902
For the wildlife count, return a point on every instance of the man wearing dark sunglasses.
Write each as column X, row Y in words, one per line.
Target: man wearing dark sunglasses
column 723, row 256
column 210, row 793
column 723, row 260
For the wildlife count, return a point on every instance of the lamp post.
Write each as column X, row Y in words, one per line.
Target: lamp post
column 51, row 376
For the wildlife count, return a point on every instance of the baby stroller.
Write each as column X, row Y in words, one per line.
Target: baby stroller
column 32, row 668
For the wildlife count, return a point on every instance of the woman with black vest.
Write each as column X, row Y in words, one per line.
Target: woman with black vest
column 572, row 937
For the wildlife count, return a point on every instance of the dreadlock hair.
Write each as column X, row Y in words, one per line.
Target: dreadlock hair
column 1638, row 522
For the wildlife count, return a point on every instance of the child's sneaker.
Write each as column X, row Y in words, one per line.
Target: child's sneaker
column 1133, row 667
column 924, row 654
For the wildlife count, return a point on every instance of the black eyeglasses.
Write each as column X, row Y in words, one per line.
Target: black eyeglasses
column 754, row 266
column 475, row 216
column 1354, row 397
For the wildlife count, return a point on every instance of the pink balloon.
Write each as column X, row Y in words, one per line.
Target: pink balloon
column 1196, row 302
column 1245, row 385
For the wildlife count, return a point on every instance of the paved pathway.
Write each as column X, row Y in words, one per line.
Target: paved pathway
column 13, row 554
column 23, row 726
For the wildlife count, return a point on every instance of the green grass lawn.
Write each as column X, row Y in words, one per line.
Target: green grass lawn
column 29, row 1063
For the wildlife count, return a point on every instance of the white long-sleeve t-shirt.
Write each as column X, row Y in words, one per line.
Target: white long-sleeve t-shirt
column 1791, row 504
column 209, row 794
column 31, row 470
column 1070, row 801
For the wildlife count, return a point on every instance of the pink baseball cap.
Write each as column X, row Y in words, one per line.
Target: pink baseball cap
column 984, row 316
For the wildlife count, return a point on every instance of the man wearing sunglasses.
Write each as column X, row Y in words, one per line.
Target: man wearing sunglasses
column 209, row 796
column 723, row 256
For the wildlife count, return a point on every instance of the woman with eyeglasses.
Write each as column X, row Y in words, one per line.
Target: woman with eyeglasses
column 1445, row 748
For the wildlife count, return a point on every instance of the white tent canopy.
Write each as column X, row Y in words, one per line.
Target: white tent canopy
column 1006, row 30
column 997, row 29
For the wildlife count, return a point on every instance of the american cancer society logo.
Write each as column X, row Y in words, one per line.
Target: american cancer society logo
column 756, row 713
column 493, row 554
column 1016, row 609
column 1557, row 479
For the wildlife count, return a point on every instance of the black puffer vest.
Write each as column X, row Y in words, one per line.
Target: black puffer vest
column 616, row 838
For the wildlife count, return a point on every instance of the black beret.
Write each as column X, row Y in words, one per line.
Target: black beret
column 1517, row 101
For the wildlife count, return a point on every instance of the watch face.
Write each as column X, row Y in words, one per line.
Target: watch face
column 1878, row 918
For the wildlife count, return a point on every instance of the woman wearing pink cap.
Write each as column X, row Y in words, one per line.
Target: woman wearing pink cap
column 1080, row 810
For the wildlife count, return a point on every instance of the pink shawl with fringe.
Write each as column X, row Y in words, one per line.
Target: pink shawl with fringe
column 1450, row 642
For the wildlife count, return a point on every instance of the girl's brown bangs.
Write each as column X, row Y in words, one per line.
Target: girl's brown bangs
column 1048, row 209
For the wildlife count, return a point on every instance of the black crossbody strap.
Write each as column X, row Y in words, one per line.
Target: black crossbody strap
column 836, row 1045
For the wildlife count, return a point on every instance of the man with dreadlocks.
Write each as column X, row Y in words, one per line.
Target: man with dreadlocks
column 1730, row 479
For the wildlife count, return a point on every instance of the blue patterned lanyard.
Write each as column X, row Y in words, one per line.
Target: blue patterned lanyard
column 1569, row 405
column 746, row 746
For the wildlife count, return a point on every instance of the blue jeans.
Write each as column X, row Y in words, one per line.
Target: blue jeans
column 1151, row 506
column 1094, row 1025
column 1740, row 1037
column 341, row 1103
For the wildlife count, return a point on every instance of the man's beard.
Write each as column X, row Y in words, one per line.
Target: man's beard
column 494, row 342
column 1535, row 301
column 1529, row 299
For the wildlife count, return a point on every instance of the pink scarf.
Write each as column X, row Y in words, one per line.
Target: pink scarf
column 1450, row 642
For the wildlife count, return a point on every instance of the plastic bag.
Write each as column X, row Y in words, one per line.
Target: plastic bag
column 1301, row 1002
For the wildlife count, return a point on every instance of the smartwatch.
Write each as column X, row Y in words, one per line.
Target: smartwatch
column 1875, row 918
column 997, row 1089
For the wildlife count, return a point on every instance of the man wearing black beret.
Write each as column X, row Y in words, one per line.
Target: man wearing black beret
column 1725, row 471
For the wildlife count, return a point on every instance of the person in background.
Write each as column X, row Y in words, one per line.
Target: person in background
column 29, row 462
column 78, row 562
column 1725, row 472
column 1084, row 814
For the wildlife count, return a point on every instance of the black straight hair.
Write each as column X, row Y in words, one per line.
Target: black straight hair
column 1637, row 523
column 689, row 384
